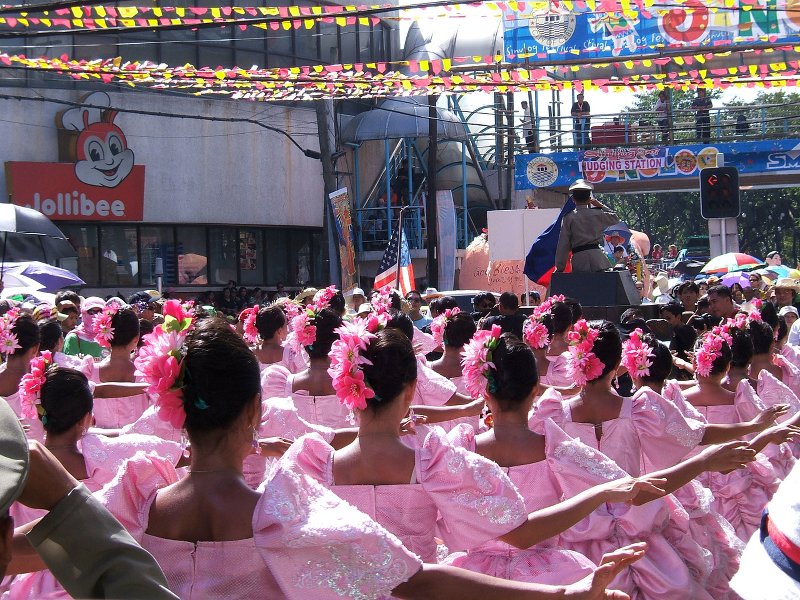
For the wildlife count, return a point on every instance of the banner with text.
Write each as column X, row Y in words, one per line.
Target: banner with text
column 612, row 165
column 534, row 33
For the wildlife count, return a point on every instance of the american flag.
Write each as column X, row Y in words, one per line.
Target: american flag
column 387, row 271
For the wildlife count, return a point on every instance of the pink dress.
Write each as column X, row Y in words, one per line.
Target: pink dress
column 83, row 364
column 475, row 499
column 432, row 389
column 115, row 413
column 790, row 367
column 103, row 457
column 424, row 341
column 557, row 374
column 33, row 427
column 306, row 544
column 276, row 382
column 740, row 495
column 293, row 361
column 773, row 391
column 650, row 433
column 547, row 562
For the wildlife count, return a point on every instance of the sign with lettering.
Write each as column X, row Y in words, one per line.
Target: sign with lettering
column 102, row 184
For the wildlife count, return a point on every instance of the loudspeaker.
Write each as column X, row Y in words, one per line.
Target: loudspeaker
column 606, row 288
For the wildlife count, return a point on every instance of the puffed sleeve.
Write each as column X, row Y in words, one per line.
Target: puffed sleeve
column 295, row 361
column 317, row 546
column 666, row 435
column 105, row 455
column 772, row 392
column 475, row 498
column 672, row 392
column 127, row 494
column 311, row 455
column 557, row 373
column 747, row 402
column 151, row 424
column 790, row 372
column 275, row 382
column 280, row 419
column 462, row 436
column 432, row 389
column 550, row 406
column 425, row 340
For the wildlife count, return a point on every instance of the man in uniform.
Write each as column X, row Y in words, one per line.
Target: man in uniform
column 582, row 231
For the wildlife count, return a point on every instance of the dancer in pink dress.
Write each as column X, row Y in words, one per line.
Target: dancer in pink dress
column 118, row 331
column 213, row 536
column 537, row 465
column 51, row 337
column 62, row 400
column 642, row 433
column 266, row 328
column 740, row 495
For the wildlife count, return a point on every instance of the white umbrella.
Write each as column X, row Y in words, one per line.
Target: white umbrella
column 18, row 280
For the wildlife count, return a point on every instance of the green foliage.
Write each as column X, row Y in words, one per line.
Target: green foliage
column 770, row 218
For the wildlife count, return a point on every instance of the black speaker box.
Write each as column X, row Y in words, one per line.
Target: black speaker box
column 606, row 288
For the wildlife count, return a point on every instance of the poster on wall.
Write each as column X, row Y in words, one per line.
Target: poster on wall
column 340, row 206
column 101, row 183
column 247, row 250
column 536, row 31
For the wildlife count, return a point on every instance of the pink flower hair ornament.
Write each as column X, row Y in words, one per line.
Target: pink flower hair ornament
column 582, row 364
column 534, row 332
column 104, row 331
column 250, row 330
column 8, row 339
column 162, row 366
column 30, row 388
column 710, row 350
column 476, row 362
column 322, row 299
column 382, row 299
column 439, row 324
column 347, row 360
column 637, row 355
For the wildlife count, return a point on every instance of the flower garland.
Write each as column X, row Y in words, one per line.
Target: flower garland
column 439, row 324
column 250, row 330
column 534, row 332
column 710, row 350
column 637, row 355
column 583, row 365
column 381, row 299
column 347, row 360
column 161, row 363
column 476, row 362
column 30, row 388
column 8, row 339
column 322, row 299
column 104, row 332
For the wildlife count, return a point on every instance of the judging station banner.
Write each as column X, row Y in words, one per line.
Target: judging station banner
column 611, row 165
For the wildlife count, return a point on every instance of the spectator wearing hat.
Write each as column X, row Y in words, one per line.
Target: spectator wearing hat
column 582, row 231
column 70, row 309
column 660, row 293
column 357, row 298
column 306, row 296
column 789, row 314
column 785, row 292
column 770, row 565
column 81, row 340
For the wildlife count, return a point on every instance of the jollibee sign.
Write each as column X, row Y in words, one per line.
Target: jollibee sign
column 101, row 184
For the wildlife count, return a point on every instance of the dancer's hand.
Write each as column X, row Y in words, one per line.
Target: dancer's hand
column 768, row 416
column 780, row 434
column 728, row 457
column 274, row 447
column 594, row 586
column 627, row 488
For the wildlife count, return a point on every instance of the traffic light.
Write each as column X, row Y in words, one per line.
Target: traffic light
column 719, row 193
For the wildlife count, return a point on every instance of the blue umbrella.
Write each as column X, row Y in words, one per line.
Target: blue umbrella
column 620, row 229
column 49, row 277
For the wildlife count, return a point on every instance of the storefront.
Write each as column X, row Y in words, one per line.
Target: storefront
column 142, row 195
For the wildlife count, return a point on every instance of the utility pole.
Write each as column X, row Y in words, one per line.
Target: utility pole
column 430, row 211
column 327, row 144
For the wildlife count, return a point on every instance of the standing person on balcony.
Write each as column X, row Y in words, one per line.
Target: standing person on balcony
column 662, row 115
column 580, row 122
column 527, row 128
column 702, row 121
column 582, row 231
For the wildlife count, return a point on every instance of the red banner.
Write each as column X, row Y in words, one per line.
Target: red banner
column 54, row 190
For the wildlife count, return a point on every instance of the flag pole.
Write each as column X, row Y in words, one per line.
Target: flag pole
column 399, row 246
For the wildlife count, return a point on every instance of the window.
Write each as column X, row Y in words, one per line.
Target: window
column 84, row 239
column 222, row 255
column 119, row 259
column 192, row 255
column 299, row 257
column 216, row 49
column 158, row 255
column 251, row 256
column 182, row 50
column 277, row 257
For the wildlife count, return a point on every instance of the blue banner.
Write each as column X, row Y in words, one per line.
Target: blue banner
column 538, row 32
column 612, row 165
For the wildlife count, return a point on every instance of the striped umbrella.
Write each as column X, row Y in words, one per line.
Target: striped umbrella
column 732, row 261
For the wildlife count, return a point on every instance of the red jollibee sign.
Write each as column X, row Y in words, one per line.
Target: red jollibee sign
column 102, row 184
